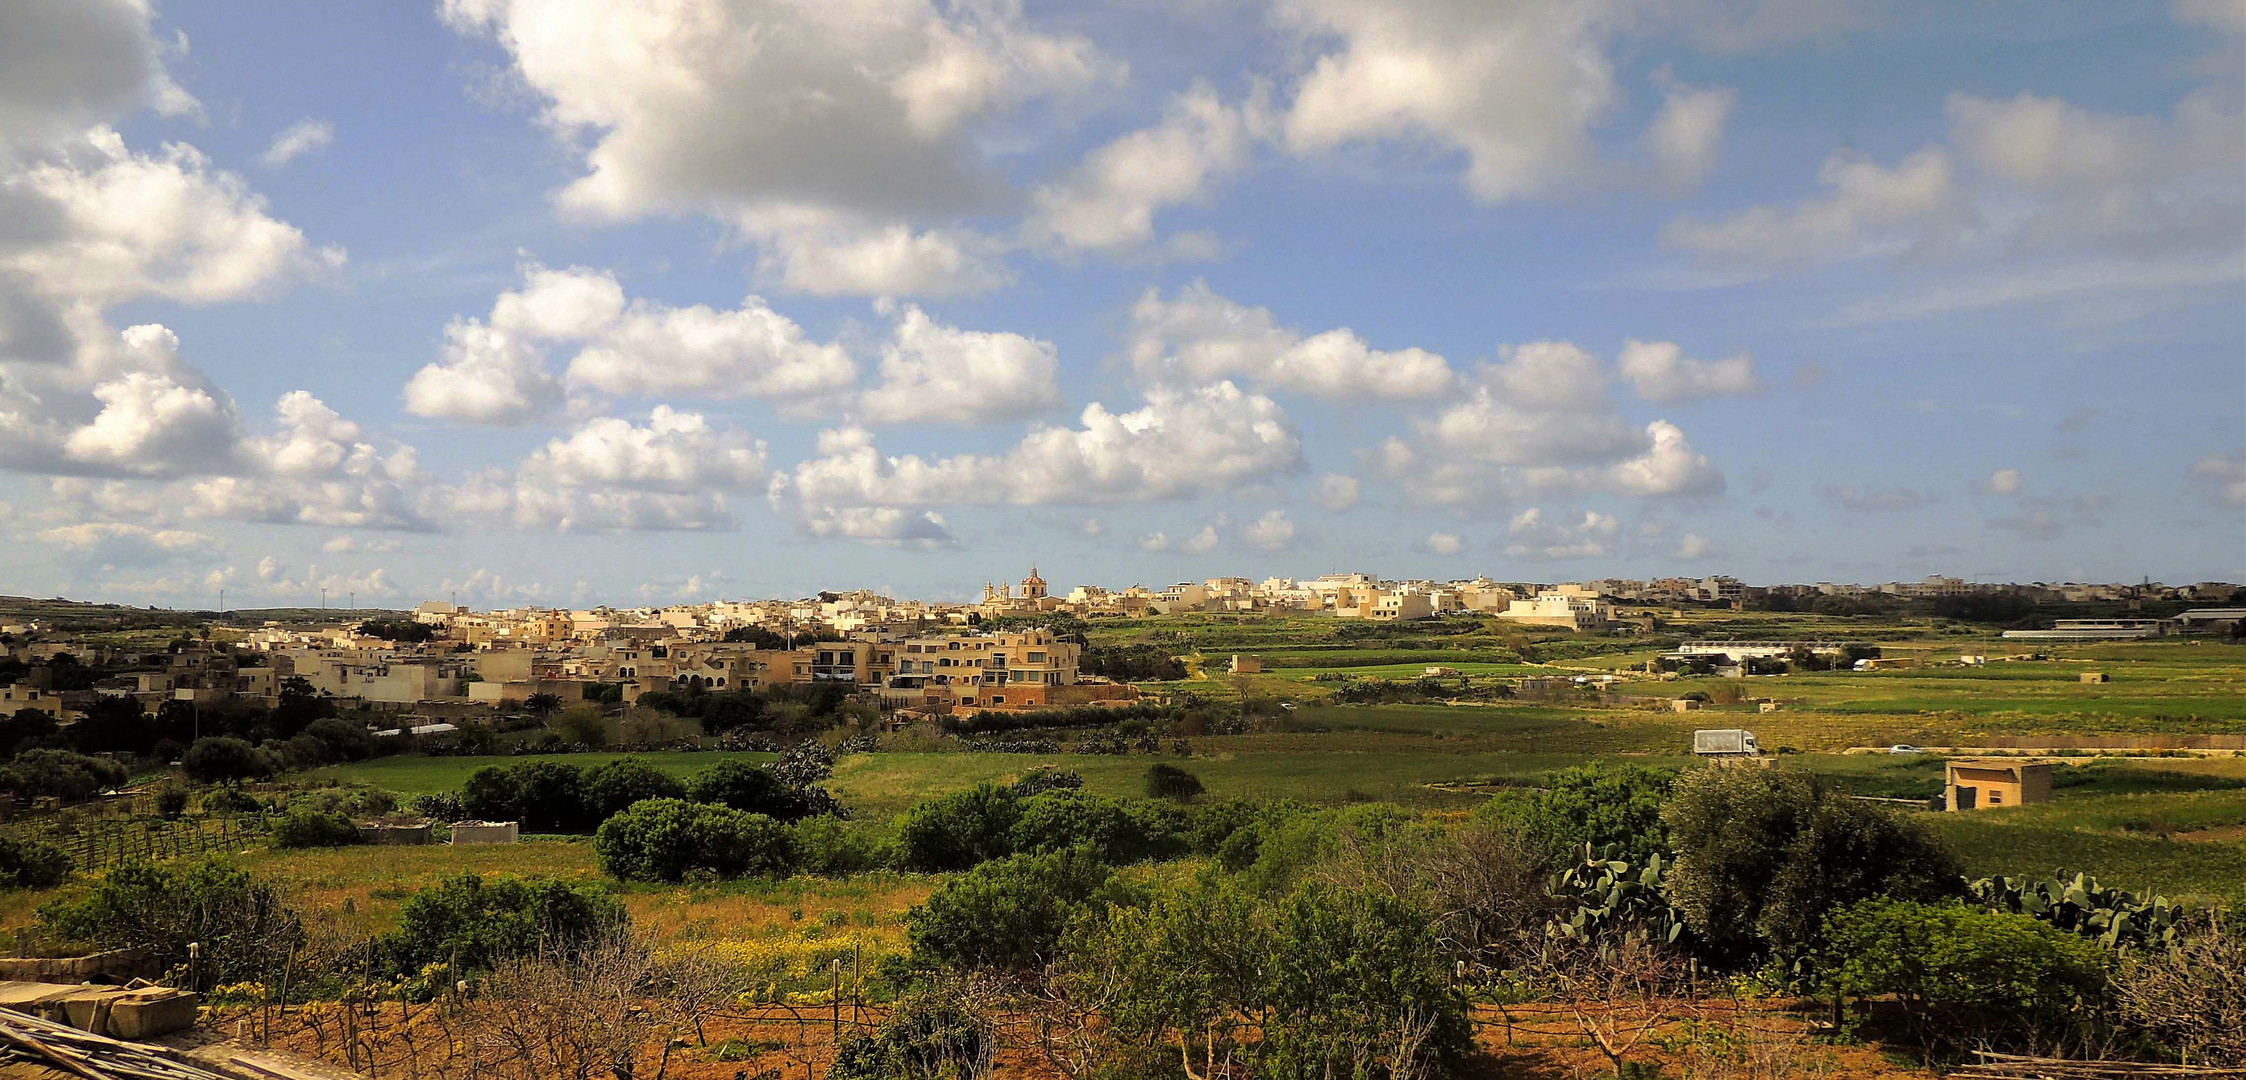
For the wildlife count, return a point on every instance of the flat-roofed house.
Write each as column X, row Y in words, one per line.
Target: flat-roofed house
column 1980, row 785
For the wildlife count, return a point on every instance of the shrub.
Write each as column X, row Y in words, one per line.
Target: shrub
column 312, row 827
column 1171, row 782
column 440, row 806
column 827, row 845
column 32, row 864
column 218, row 759
column 1043, row 779
column 582, row 726
column 230, row 800
column 171, row 801
column 471, row 923
column 930, row 1035
column 610, row 787
column 242, row 924
column 492, row 793
column 60, row 774
column 1597, row 804
column 1765, row 855
column 344, row 740
column 1007, row 913
column 748, row 788
column 664, row 839
column 2191, row 995
column 958, row 830
column 1963, row 976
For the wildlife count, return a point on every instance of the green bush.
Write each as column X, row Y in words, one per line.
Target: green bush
column 665, row 839
column 748, row 788
column 471, row 923
column 1006, row 913
column 828, row 845
column 32, row 864
column 1964, row 977
column 928, row 1036
column 1597, row 804
column 344, row 740
column 230, row 800
column 492, row 793
column 1765, row 855
column 219, row 759
column 309, row 826
column 1043, row 779
column 610, row 787
column 171, row 801
column 1171, row 782
column 958, row 830
column 60, row 774
column 245, row 930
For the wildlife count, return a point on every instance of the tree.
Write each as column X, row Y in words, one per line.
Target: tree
column 1963, row 976
column 956, row 831
column 1765, row 855
column 755, row 637
column 60, row 774
column 612, row 786
column 582, row 726
column 393, row 629
column 312, row 827
column 2191, row 995
column 746, row 787
column 472, row 923
column 26, row 727
column 215, row 760
column 244, row 928
column 543, row 705
column 32, row 864
column 1007, row 913
column 1598, row 804
column 665, row 839
column 114, row 725
column 1171, row 782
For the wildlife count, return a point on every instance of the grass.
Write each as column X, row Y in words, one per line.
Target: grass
column 412, row 775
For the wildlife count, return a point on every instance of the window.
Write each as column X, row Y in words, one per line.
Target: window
column 999, row 699
column 1035, row 658
column 1996, row 798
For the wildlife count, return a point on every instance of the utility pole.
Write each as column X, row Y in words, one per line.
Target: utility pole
column 323, row 598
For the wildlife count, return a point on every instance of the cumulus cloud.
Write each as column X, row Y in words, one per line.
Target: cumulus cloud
column 1687, row 132
column 1271, row 532
column 1660, row 371
column 109, row 545
column 1516, row 88
column 886, row 526
column 2221, row 478
column 2002, row 482
column 825, row 131
column 67, row 67
column 1443, row 543
column 1200, row 336
column 1693, row 546
column 1533, row 535
column 2026, row 173
column 674, row 473
column 494, row 370
column 1543, row 419
column 1337, row 492
column 1180, row 443
column 931, row 372
column 1109, row 202
column 301, row 138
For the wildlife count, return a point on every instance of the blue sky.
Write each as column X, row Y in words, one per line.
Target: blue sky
column 574, row 301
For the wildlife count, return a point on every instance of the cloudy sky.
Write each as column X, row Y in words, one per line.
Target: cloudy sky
column 620, row 301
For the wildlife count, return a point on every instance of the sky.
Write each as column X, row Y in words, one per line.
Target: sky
column 654, row 301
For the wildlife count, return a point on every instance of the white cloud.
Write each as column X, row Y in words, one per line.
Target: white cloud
column 824, row 255
column 66, row 67
column 881, row 525
column 1531, row 535
column 1108, row 203
column 1200, row 543
column 1443, row 543
column 1692, row 546
column 150, row 424
column 751, row 351
column 2228, row 16
column 1918, row 204
column 1686, row 133
column 1543, row 419
column 2222, row 478
column 1179, row 443
column 1337, row 492
column 345, row 545
column 823, row 130
column 676, row 452
column 1201, row 336
column 2002, row 482
column 1660, row 371
column 494, row 370
column 931, row 372
column 1155, row 541
column 301, row 138
column 1271, row 532
column 114, row 544
column 1517, row 87
column 2027, row 173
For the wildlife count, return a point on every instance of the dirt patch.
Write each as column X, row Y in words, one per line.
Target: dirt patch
column 2221, row 834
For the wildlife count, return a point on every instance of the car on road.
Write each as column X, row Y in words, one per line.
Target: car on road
column 1904, row 748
